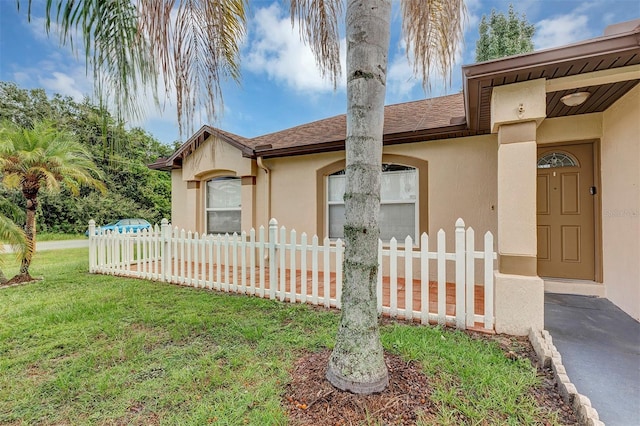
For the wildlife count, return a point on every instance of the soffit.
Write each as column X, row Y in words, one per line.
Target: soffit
column 610, row 52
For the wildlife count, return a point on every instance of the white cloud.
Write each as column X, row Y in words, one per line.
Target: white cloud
column 403, row 84
column 560, row 30
column 474, row 8
column 275, row 49
column 401, row 80
column 58, row 82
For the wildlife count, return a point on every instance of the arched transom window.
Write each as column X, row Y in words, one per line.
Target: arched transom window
column 224, row 205
column 556, row 159
column 398, row 203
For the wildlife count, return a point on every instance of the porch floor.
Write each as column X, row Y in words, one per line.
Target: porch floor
column 200, row 273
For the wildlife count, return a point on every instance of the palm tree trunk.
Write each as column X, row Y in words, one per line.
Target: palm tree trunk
column 357, row 362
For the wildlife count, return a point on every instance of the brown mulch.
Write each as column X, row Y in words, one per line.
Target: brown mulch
column 19, row 279
column 311, row 400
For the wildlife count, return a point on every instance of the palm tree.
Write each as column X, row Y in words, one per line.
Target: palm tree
column 42, row 157
column 202, row 46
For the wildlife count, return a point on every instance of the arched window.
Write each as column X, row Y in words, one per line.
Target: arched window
column 224, row 205
column 398, row 203
column 556, row 159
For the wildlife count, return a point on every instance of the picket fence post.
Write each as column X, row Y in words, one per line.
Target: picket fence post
column 165, row 230
column 471, row 276
column 273, row 273
column 92, row 246
column 488, row 280
column 460, row 274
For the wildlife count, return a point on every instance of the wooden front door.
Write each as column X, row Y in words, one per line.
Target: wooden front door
column 565, row 212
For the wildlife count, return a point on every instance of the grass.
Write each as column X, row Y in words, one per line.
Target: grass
column 91, row 349
column 51, row 236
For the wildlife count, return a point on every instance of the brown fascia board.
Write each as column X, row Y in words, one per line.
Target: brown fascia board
column 159, row 164
column 474, row 73
column 175, row 160
column 388, row 139
column 336, row 145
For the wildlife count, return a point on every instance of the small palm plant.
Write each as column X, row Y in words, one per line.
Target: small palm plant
column 42, row 157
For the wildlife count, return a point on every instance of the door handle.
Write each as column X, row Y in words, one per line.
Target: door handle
column 593, row 190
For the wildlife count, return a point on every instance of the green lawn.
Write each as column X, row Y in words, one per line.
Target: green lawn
column 89, row 349
column 43, row 236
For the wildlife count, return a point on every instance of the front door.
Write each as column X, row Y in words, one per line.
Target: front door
column 565, row 212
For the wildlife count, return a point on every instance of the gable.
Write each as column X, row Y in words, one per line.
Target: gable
column 215, row 156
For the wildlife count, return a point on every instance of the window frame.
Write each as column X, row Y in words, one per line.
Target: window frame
column 415, row 201
column 221, row 209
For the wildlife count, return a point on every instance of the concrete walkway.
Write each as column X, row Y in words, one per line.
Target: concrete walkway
column 600, row 348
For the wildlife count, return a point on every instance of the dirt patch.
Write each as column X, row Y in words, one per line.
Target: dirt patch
column 311, row 400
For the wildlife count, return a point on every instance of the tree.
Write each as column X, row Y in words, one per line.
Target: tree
column 502, row 35
column 133, row 190
column 42, row 157
column 205, row 39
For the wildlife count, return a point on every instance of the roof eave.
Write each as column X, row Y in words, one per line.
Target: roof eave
column 474, row 73
column 388, row 139
column 198, row 138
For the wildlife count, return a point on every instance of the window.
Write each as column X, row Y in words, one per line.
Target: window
column 223, row 206
column 398, row 203
column 556, row 159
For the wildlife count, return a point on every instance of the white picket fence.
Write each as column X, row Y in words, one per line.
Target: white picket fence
column 281, row 266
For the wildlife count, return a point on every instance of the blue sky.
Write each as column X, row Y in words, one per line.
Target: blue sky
column 280, row 85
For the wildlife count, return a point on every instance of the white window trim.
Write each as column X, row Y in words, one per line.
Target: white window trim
column 218, row 209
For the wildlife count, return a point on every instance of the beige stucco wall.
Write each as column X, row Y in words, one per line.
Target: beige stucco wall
column 462, row 176
column 461, row 183
column 293, row 189
column 211, row 159
column 182, row 202
column 620, row 160
column 518, row 103
column 572, row 128
column 215, row 154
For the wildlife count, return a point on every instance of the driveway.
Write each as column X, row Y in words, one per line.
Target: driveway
column 600, row 348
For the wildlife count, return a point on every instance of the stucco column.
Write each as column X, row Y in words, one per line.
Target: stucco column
column 519, row 293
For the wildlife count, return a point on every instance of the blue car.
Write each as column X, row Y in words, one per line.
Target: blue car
column 123, row 225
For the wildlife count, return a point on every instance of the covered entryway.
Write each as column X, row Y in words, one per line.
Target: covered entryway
column 565, row 211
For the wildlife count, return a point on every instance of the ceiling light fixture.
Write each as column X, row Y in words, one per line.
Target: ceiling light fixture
column 575, row 99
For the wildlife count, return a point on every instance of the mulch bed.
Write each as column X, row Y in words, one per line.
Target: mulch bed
column 311, row 400
column 19, row 280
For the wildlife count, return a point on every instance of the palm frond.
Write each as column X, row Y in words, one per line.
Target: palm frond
column 13, row 235
column 116, row 51
column 206, row 42
column 433, row 31
column 318, row 21
column 44, row 154
column 11, row 210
